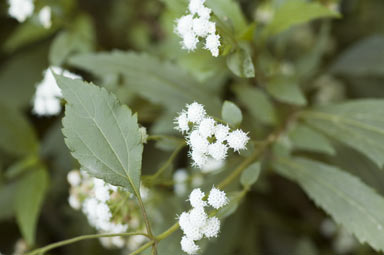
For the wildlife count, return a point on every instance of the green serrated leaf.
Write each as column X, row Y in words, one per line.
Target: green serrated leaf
column 350, row 202
column 306, row 138
column 257, row 103
column 250, row 175
column 160, row 82
column 364, row 58
column 240, row 63
column 103, row 135
column 231, row 113
column 357, row 123
column 296, row 12
column 17, row 136
column 286, row 90
column 29, row 198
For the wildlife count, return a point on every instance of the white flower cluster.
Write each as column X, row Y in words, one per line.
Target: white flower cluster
column 45, row 17
column 195, row 25
column 21, row 9
column 96, row 200
column 196, row 224
column 47, row 97
column 206, row 137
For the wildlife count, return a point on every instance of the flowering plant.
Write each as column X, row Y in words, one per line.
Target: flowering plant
column 191, row 127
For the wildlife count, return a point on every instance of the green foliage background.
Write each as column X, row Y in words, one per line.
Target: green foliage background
column 307, row 85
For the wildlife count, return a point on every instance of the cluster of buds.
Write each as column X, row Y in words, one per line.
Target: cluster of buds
column 196, row 24
column 207, row 138
column 196, row 224
column 109, row 209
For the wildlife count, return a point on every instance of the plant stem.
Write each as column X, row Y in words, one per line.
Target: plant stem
column 168, row 162
column 44, row 249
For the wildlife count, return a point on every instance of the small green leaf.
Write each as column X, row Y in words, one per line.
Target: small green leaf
column 17, row 136
column 250, row 175
column 7, row 199
column 29, row 199
column 286, row 90
column 351, row 203
column 357, row 123
column 103, row 135
column 306, row 138
column 240, row 63
column 257, row 103
column 296, row 12
column 231, row 113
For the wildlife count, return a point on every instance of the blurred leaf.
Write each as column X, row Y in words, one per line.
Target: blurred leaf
column 231, row 113
column 296, row 12
column 78, row 39
column 306, row 138
column 26, row 33
column 7, row 198
column 160, row 82
column 16, row 134
column 28, row 202
column 357, row 123
column 257, row 103
column 240, row 63
column 231, row 207
column 305, row 247
column 350, row 202
column 287, row 90
column 250, row 175
column 229, row 11
column 19, row 75
column 103, row 135
column 366, row 57
column 21, row 166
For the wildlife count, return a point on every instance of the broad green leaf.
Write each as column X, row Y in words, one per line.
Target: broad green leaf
column 306, row 138
column 250, row 175
column 29, row 199
column 296, row 12
column 357, row 123
column 229, row 11
column 350, row 202
column 231, row 113
column 78, row 39
column 240, row 63
column 257, row 103
column 159, row 81
column 364, row 58
column 286, row 90
column 103, row 135
column 16, row 135
column 21, row 166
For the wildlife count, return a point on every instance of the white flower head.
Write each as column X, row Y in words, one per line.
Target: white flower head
column 212, row 43
column 194, row 6
column 184, row 221
column 198, row 217
column 21, row 9
column 221, row 132
column 74, row 178
column 182, row 122
column 193, row 232
column 189, row 246
column 212, row 165
column 197, row 142
column 190, row 42
column 237, row 140
column 196, row 198
column 45, row 17
column 184, row 25
column 202, row 27
column 211, row 228
column 199, row 159
column 74, row 202
column 218, row 150
column 205, row 12
column 207, row 127
column 217, row 198
column 196, row 112
column 101, row 190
